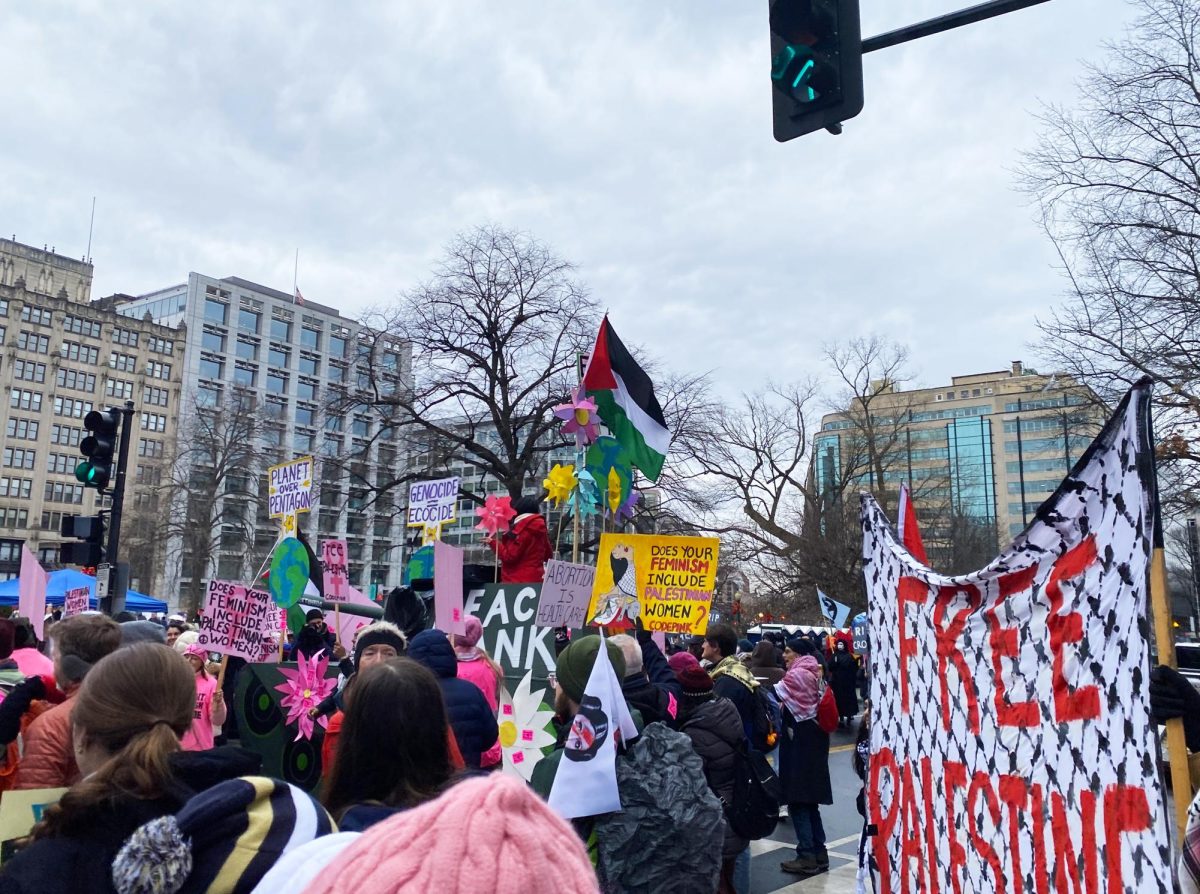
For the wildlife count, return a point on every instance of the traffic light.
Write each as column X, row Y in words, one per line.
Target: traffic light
column 90, row 530
column 816, row 65
column 96, row 469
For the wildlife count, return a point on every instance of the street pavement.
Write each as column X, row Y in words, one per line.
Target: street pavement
column 842, row 824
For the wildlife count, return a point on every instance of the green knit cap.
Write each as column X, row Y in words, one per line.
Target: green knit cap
column 574, row 664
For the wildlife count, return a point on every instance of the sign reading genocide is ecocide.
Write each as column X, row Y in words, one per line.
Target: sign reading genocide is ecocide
column 432, row 503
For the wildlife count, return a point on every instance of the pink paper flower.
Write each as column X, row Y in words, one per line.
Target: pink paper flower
column 579, row 414
column 305, row 688
column 495, row 514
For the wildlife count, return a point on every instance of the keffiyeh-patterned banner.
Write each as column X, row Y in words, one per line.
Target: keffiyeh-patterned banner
column 1011, row 742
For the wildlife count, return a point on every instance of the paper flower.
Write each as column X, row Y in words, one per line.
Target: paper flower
column 495, row 514
column 625, row 511
column 523, row 720
column 613, row 492
column 581, row 419
column 560, row 483
column 303, row 690
column 586, row 499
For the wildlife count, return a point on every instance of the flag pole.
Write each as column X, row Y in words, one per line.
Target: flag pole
column 1164, row 637
column 296, row 275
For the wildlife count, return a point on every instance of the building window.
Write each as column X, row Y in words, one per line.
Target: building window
column 31, row 341
column 305, row 415
column 156, row 397
column 154, row 422
column 245, row 376
column 248, row 320
column 65, row 435
column 126, row 337
column 73, row 350
column 306, row 390
column 281, row 330
column 361, row 426
column 337, row 346
column 81, row 326
column 310, row 338
column 77, row 409
column 61, row 463
column 119, row 388
column 38, row 316
column 309, row 366
column 277, row 383
column 29, row 371
column 150, row 448
column 12, row 517
column 278, row 357
column 157, row 370
column 22, row 429
column 276, row 408
column 337, row 372
column 57, row 492
column 74, row 380
column 303, row 442
column 211, row 369
column 161, row 345
column 122, row 362
column 216, row 311
column 18, row 488
column 19, row 458
column 25, row 400
column 151, row 475
column 247, row 349
column 212, row 341
column 208, row 395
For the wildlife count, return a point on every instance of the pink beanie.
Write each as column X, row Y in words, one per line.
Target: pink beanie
column 681, row 660
column 472, row 631
column 486, row 835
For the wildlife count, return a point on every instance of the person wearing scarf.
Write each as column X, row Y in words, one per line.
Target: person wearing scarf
column 804, row 756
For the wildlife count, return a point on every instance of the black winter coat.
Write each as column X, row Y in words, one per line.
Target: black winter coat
column 471, row 716
column 81, row 863
column 716, row 733
column 843, row 670
column 804, row 762
column 309, row 643
column 654, row 691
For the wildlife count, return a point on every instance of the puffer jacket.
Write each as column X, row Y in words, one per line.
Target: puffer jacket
column 473, row 722
column 49, row 758
column 479, row 673
column 716, row 733
column 523, row 551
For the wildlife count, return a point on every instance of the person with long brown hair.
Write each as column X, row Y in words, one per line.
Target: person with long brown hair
column 393, row 752
column 128, row 717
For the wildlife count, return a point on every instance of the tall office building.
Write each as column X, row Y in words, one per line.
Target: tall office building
column 62, row 357
column 989, row 448
column 258, row 352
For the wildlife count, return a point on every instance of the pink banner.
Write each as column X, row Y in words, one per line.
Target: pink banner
column 336, row 572
column 31, row 592
column 237, row 621
column 448, row 588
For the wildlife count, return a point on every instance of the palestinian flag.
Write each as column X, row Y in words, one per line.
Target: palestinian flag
column 625, row 399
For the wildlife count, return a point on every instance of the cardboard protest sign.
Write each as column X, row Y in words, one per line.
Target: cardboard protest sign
column 289, row 491
column 20, row 811
column 511, row 636
column 432, row 504
column 566, row 592
column 448, row 588
column 666, row 582
column 336, row 571
column 237, row 621
column 1011, row 736
column 76, row 601
column 31, row 591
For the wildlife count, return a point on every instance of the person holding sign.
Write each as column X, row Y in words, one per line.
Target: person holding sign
column 210, row 703
column 524, row 549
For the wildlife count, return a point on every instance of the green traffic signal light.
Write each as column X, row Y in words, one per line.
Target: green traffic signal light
column 98, row 447
column 792, row 71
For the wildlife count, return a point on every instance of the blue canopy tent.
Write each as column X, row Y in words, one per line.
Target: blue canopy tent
column 70, row 579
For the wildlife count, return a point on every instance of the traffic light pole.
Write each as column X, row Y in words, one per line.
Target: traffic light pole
column 945, row 23
column 115, row 602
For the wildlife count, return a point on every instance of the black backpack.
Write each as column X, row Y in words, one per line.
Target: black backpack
column 753, row 810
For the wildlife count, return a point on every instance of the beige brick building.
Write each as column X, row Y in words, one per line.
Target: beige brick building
column 61, row 357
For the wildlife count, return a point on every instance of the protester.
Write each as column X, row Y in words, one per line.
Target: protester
column 843, row 674
column 223, row 841
column 681, row 660
column 649, row 684
column 485, row 835
column 49, row 758
column 764, row 663
column 210, row 703
column 392, row 754
column 136, row 631
column 713, row 725
column 734, row 681
column 315, row 637
column 471, row 718
column 174, row 628
column 126, row 742
column 477, row 667
column 804, row 756
column 525, row 547
column 25, row 650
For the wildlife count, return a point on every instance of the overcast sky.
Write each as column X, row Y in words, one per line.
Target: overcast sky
column 633, row 137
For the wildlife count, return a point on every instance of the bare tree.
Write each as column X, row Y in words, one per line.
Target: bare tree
column 1119, row 190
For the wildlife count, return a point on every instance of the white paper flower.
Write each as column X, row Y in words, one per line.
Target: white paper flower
column 524, row 719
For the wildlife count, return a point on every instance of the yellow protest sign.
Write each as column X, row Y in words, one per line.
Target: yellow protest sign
column 666, row 582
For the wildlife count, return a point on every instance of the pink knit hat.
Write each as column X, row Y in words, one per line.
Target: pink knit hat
column 486, row 835
column 465, row 642
column 681, row 660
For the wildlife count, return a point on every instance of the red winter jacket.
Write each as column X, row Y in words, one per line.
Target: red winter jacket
column 523, row 551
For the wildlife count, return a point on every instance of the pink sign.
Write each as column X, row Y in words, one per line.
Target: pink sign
column 448, row 588
column 76, row 602
column 31, row 592
column 336, row 571
column 237, row 621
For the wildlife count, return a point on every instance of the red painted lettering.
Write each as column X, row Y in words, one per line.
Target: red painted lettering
column 931, row 845
column 1069, row 704
column 1066, row 857
column 1003, row 641
column 884, row 824
column 910, row 590
column 948, row 652
column 954, row 776
column 1014, row 792
column 1125, row 810
column 1041, row 874
column 910, row 840
column 982, row 783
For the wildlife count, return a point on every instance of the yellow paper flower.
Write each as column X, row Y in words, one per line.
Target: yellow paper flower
column 560, row 483
column 614, row 490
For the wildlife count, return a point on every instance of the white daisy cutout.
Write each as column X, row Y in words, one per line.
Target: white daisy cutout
column 523, row 719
